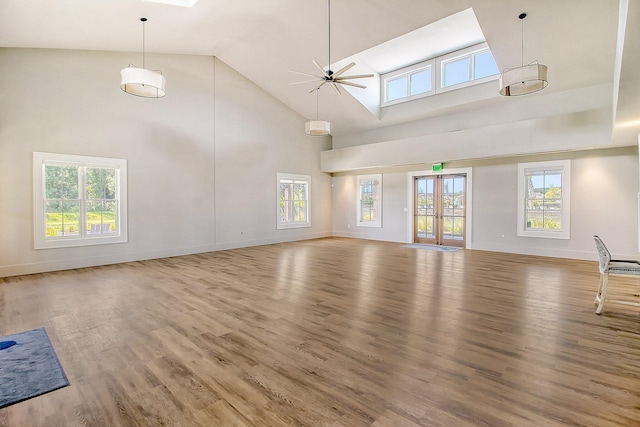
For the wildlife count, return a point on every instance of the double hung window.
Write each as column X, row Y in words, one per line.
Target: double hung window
column 370, row 200
column 544, row 199
column 78, row 200
column 293, row 201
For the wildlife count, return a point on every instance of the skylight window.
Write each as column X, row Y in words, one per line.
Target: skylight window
column 456, row 71
column 466, row 67
column 484, row 65
column 469, row 67
column 409, row 66
column 183, row 3
column 410, row 83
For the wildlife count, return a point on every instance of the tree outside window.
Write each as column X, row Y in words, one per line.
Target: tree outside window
column 79, row 200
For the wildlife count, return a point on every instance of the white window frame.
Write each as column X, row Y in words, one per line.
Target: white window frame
column 40, row 241
column 406, row 72
column 469, row 52
column 564, row 167
column 296, row 178
column 436, row 65
column 361, row 179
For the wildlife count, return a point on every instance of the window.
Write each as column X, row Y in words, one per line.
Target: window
column 544, row 199
column 408, row 84
column 420, row 82
column 466, row 67
column 455, row 72
column 293, row 201
column 78, row 200
column 472, row 66
column 397, row 88
column 484, row 65
column 370, row 200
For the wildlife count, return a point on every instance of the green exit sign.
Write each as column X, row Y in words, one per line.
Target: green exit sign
column 437, row 167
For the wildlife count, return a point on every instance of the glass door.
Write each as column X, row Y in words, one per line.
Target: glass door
column 425, row 213
column 440, row 210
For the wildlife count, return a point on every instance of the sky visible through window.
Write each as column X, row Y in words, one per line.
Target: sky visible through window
column 546, row 181
column 456, row 72
column 397, row 88
column 484, row 66
column 420, row 82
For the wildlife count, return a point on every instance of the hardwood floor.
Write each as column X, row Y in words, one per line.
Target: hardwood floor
column 331, row 332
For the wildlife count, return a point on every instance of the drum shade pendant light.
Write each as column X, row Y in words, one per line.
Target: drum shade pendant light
column 140, row 81
column 525, row 78
column 317, row 127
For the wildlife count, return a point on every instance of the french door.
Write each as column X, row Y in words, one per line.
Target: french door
column 440, row 209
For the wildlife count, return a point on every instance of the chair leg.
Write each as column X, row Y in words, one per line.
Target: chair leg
column 596, row 301
column 603, row 292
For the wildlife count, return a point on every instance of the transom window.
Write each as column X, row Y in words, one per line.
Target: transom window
column 293, row 201
column 79, row 200
column 469, row 66
column 543, row 197
column 370, row 200
column 409, row 84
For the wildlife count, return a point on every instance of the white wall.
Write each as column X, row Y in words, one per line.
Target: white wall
column 202, row 161
column 604, row 187
column 394, row 200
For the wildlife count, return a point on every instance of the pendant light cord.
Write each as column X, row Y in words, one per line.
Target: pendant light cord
column 144, row 20
column 317, row 104
column 522, row 42
column 521, row 17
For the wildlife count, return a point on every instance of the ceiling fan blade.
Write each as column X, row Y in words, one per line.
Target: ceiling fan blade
column 307, row 81
column 318, row 87
column 319, row 67
column 358, row 76
column 351, row 84
column 306, row 74
column 335, row 87
column 343, row 69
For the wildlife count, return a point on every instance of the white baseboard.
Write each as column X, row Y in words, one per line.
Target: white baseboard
column 93, row 261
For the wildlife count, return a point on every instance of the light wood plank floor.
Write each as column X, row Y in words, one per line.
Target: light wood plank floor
column 330, row 332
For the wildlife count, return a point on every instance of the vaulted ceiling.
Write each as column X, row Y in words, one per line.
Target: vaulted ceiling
column 265, row 39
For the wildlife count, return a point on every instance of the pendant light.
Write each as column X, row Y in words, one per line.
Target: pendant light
column 140, row 81
column 524, row 79
column 317, row 127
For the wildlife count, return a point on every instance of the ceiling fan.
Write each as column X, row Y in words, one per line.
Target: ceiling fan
column 328, row 76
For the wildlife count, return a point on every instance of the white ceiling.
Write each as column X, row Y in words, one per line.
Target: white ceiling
column 264, row 39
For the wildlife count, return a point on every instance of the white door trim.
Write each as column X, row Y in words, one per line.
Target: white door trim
column 469, row 200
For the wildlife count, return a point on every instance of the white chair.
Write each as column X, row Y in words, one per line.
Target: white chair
column 609, row 266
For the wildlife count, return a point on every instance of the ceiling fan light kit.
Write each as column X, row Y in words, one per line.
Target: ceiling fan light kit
column 140, row 81
column 524, row 79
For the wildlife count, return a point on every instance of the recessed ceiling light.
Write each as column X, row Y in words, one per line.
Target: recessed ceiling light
column 183, row 3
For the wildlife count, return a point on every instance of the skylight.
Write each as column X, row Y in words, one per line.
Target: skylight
column 449, row 34
column 442, row 37
column 183, row 3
